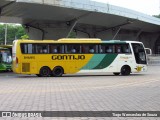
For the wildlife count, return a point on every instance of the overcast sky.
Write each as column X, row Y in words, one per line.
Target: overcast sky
column 150, row 7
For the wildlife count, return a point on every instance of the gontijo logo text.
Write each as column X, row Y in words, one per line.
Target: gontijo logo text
column 68, row 57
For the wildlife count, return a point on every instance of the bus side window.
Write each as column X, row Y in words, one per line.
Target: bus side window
column 118, row 48
column 41, row 48
column 45, row 49
column 101, row 48
column 85, row 48
column 109, row 48
column 27, row 48
column 60, row 49
column 24, row 48
column 125, row 48
column 54, row 48
column 93, row 48
column 30, row 49
column 73, row 48
column 34, row 48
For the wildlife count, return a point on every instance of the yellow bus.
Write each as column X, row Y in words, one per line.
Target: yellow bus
column 69, row 56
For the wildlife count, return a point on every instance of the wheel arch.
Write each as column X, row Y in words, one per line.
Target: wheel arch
column 127, row 66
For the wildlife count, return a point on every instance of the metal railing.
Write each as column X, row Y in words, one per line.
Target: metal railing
column 154, row 59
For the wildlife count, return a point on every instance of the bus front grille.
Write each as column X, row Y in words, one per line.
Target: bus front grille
column 25, row 67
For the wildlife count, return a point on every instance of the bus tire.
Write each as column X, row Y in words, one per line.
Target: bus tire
column 117, row 73
column 45, row 72
column 125, row 70
column 57, row 71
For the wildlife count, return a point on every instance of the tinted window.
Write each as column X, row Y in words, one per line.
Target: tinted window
column 73, row 48
column 56, row 48
column 122, row 48
column 107, row 48
column 34, row 48
column 114, row 48
column 26, row 48
column 89, row 48
column 41, row 48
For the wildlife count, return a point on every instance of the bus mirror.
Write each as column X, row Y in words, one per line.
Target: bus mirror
column 148, row 51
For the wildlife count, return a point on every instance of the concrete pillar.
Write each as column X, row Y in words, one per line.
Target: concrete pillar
column 149, row 40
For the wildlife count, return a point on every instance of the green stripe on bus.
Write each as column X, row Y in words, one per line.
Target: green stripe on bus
column 94, row 61
column 107, row 60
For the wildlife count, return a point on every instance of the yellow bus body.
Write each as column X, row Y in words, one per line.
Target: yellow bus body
column 36, row 61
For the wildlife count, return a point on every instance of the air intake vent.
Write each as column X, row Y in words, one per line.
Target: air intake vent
column 25, row 67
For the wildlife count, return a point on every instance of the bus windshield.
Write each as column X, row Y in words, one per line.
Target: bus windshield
column 139, row 53
column 6, row 57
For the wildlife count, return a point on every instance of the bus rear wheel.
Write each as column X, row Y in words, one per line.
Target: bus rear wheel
column 125, row 70
column 45, row 72
column 57, row 71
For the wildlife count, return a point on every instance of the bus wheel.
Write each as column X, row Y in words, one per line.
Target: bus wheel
column 57, row 71
column 44, row 72
column 125, row 70
column 116, row 73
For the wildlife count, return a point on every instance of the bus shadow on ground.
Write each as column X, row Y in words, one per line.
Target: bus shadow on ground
column 5, row 72
column 103, row 75
column 75, row 76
